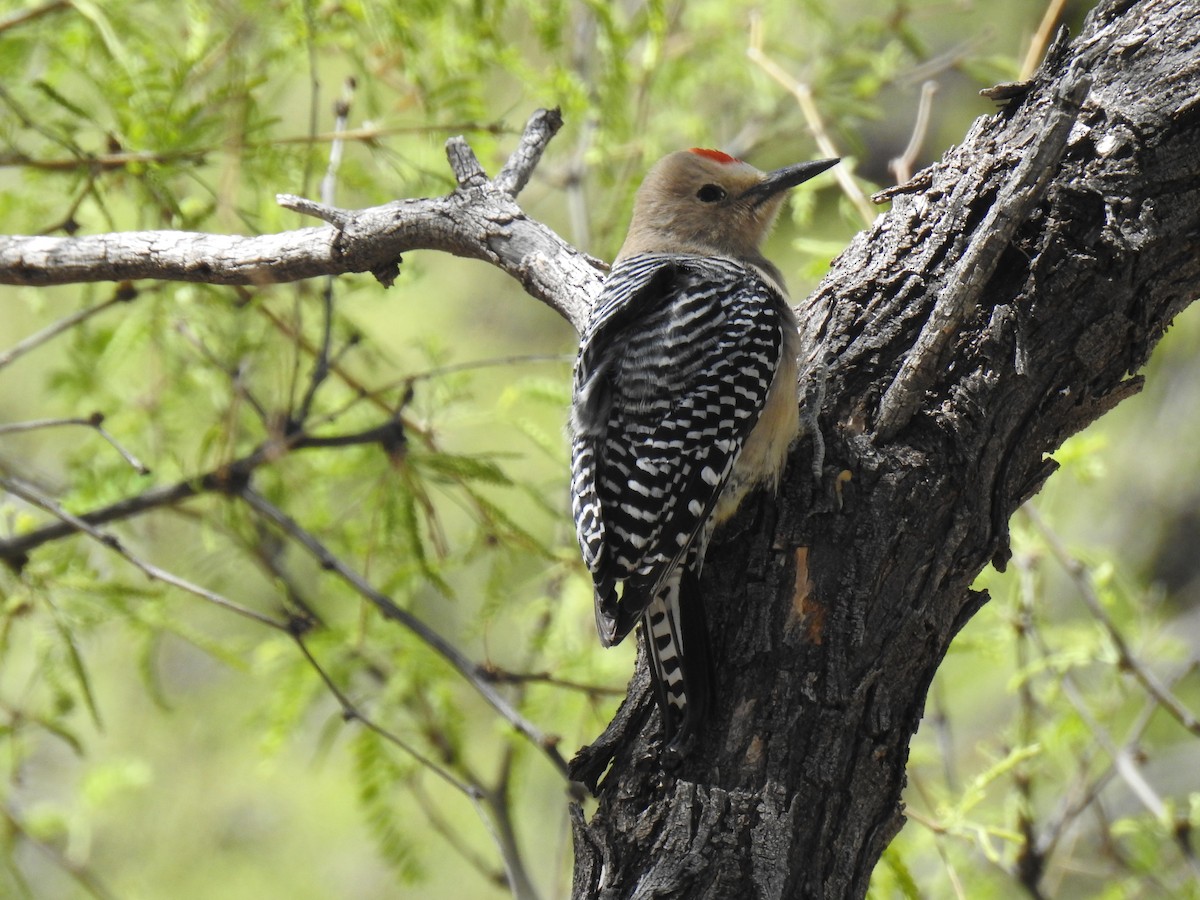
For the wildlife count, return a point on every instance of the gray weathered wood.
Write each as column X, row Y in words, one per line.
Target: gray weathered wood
column 479, row 220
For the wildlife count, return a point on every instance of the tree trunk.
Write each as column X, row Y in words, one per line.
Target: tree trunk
column 994, row 311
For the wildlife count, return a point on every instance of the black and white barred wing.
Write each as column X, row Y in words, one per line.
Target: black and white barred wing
column 672, row 373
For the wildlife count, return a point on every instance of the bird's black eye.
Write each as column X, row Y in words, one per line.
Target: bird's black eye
column 710, row 193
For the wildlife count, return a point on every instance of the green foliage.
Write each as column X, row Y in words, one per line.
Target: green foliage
column 134, row 714
column 1041, row 752
column 379, row 776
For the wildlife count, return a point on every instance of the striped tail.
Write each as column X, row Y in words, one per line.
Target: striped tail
column 677, row 642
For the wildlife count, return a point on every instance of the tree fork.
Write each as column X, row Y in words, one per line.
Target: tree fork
column 993, row 312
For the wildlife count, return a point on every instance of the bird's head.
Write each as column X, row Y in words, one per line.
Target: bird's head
column 709, row 203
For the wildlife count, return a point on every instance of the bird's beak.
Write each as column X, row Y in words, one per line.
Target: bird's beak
column 786, row 178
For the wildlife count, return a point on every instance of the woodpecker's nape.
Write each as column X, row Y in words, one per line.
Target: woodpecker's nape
column 685, row 401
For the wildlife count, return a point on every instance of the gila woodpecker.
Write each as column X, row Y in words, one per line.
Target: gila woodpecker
column 685, row 399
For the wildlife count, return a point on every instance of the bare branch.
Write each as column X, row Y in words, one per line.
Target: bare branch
column 482, row 223
column 338, row 218
column 222, row 479
column 467, row 169
column 350, row 712
column 82, row 876
column 173, row 256
column 327, row 559
column 320, row 369
column 543, row 125
column 450, row 834
column 101, row 162
column 1123, row 756
column 235, row 374
column 29, row 14
column 1040, row 40
column 496, row 675
column 901, row 166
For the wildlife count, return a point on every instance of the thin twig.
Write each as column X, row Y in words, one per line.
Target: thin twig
column 1123, row 757
column 473, row 364
column 221, row 479
column 948, row 60
column 541, row 127
column 1030, row 863
column 360, row 389
column 1037, row 46
column 33, row 12
column 94, row 421
column 136, row 464
column 320, row 370
column 812, row 115
column 102, row 162
column 500, row 797
column 450, row 835
column 574, row 183
column 267, row 549
column 351, row 713
column 39, row 124
column 311, row 27
column 901, row 166
column 407, row 382
column 1085, row 791
column 497, row 675
column 939, row 832
column 368, row 134
column 35, row 497
column 339, row 218
column 1081, row 578
column 388, row 608
column 499, row 800
column 56, row 328
column 943, row 738
column 235, row 376
column 1126, row 761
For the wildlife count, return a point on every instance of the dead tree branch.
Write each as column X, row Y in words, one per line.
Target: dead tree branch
column 479, row 220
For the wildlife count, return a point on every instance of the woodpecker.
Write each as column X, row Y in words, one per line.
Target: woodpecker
column 685, row 399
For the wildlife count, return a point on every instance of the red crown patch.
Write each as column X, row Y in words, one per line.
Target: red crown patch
column 715, row 155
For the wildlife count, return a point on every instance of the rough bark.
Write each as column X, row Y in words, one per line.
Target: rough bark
column 998, row 308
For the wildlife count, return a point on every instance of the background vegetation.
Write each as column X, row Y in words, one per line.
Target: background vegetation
column 153, row 743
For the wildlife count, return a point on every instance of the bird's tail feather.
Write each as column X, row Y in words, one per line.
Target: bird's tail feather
column 676, row 637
